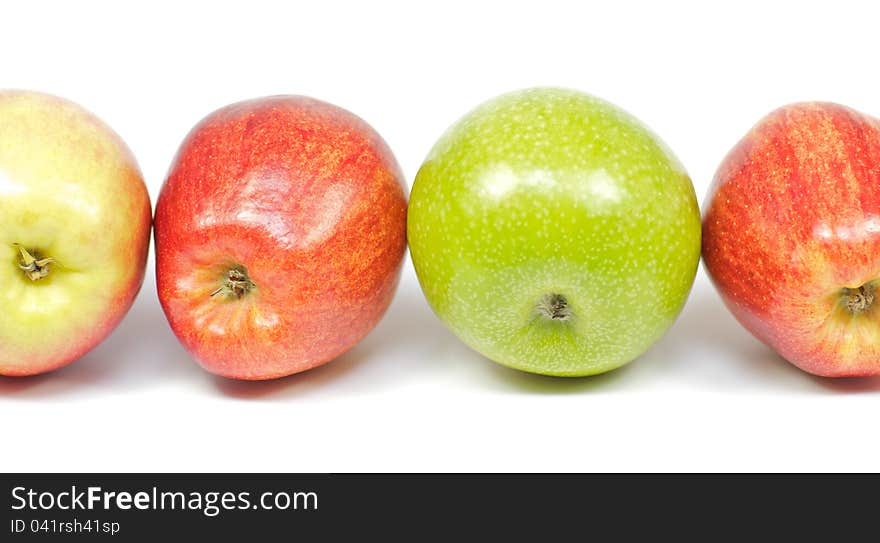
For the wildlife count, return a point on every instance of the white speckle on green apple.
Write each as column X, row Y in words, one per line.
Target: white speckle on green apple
column 554, row 233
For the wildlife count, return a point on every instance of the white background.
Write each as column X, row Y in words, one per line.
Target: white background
column 411, row 397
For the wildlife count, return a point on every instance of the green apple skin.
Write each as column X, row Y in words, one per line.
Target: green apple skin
column 554, row 233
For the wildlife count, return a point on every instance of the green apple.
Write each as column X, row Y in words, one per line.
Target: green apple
column 554, row 233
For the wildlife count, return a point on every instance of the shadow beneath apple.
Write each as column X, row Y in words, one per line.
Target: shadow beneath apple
column 297, row 384
column 21, row 385
column 521, row 381
column 849, row 385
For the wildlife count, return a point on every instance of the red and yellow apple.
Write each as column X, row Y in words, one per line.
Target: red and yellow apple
column 280, row 233
column 791, row 236
column 74, row 232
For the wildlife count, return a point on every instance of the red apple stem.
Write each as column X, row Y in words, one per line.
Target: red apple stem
column 859, row 300
column 34, row 265
column 236, row 284
column 554, row 307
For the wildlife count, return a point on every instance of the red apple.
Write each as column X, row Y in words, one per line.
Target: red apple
column 280, row 232
column 791, row 236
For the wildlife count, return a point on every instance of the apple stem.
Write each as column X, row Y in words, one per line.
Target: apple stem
column 34, row 265
column 554, row 307
column 859, row 300
column 236, row 284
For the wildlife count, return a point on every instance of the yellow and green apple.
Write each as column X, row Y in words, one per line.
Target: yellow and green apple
column 74, row 232
column 554, row 233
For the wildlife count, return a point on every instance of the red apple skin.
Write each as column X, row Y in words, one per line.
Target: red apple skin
column 793, row 219
column 310, row 200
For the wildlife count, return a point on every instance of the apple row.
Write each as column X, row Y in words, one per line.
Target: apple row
column 551, row 231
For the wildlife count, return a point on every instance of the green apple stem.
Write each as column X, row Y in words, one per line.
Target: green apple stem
column 34, row 265
column 554, row 307
column 858, row 300
column 236, row 284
